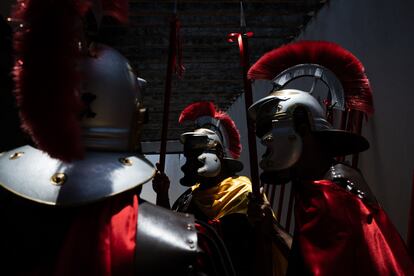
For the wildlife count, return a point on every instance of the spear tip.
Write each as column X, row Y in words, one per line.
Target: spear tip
column 242, row 18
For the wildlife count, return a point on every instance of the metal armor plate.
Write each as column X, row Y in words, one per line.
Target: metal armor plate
column 166, row 242
column 351, row 180
column 32, row 174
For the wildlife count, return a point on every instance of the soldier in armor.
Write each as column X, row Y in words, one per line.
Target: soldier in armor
column 217, row 195
column 66, row 212
column 340, row 227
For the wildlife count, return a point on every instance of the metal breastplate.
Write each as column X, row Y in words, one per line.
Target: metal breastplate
column 32, row 174
column 166, row 242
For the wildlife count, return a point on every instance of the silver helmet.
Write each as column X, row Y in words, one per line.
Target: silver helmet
column 111, row 122
column 215, row 141
column 112, row 93
column 348, row 89
column 275, row 126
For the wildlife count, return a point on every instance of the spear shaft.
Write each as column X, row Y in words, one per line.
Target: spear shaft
column 242, row 40
column 172, row 52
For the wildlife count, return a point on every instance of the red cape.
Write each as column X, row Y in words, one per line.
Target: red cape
column 102, row 239
column 339, row 234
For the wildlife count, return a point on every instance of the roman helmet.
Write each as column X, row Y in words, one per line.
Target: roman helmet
column 114, row 113
column 212, row 146
column 105, row 158
column 348, row 90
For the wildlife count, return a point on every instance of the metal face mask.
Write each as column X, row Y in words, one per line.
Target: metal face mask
column 275, row 127
column 283, row 146
column 202, row 160
column 211, row 164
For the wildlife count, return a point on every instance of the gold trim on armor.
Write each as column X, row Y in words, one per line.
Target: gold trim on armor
column 58, row 179
column 125, row 161
column 16, row 155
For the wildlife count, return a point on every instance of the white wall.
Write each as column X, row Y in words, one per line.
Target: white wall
column 173, row 163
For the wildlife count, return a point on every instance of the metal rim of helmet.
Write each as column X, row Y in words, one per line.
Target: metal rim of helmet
column 205, row 138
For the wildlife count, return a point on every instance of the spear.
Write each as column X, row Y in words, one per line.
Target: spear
column 242, row 39
column 263, row 256
column 174, row 47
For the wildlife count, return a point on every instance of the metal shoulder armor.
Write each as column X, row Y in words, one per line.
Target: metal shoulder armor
column 34, row 175
column 167, row 242
column 351, row 180
column 173, row 243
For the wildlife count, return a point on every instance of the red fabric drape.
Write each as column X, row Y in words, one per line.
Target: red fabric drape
column 102, row 239
column 339, row 234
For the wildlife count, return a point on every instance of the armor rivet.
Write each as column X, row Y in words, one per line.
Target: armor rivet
column 189, row 227
column 58, row 179
column 16, row 155
column 191, row 243
column 125, row 161
column 279, row 108
column 187, row 215
column 268, row 139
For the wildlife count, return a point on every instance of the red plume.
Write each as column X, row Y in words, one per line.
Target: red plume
column 347, row 68
column 233, row 133
column 196, row 110
column 117, row 9
column 46, row 79
column 199, row 109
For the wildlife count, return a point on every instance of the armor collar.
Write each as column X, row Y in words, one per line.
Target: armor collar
column 34, row 175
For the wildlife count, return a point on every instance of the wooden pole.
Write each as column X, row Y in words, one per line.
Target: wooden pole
column 172, row 50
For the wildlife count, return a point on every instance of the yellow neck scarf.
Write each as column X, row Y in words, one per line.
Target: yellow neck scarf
column 228, row 197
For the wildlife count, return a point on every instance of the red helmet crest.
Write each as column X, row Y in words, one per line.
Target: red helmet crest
column 201, row 109
column 347, row 68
